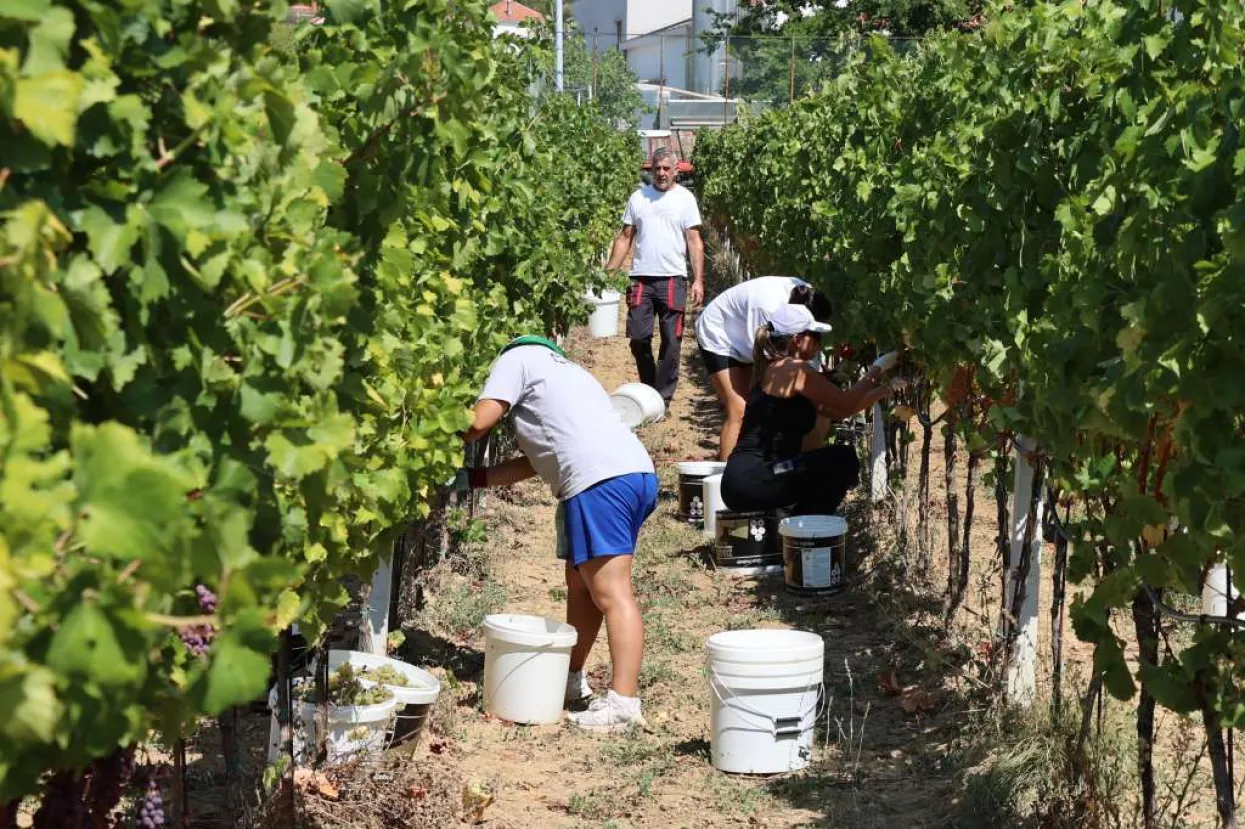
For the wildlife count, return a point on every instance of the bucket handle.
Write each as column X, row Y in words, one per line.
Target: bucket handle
column 778, row 730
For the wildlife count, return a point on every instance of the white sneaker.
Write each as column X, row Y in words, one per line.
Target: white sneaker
column 577, row 687
column 609, row 714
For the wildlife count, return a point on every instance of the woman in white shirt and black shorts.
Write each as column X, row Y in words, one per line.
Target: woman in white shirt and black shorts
column 727, row 329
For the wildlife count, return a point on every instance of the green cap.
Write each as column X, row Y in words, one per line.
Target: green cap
column 532, row 339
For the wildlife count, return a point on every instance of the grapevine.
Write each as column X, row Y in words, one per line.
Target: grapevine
column 1055, row 202
column 243, row 312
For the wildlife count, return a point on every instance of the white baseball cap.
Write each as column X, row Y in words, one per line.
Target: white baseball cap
column 795, row 319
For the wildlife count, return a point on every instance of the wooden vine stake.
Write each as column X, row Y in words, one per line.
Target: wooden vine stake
column 924, row 541
column 285, row 716
column 1024, row 576
column 1059, row 584
column 953, row 512
column 181, row 795
column 1146, row 624
column 960, row 588
column 1002, row 538
column 231, row 756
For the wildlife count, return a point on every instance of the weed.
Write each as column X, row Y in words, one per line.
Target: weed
column 596, row 804
column 1027, row 772
column 660, row 636
column 518, row 734
column 633, row 750
column 459, row 609
column 470, row 554
column 656, row 672
column 652, row 584
column 444, row 718
column 558, row 594
column 644, row 781
column 754, row 616
column 736, row 796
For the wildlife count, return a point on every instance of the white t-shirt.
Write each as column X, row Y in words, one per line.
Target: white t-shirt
column 564, row 420
column 729, row 323
column 661, row 221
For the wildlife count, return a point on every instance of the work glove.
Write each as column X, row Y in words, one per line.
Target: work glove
column 886, row 362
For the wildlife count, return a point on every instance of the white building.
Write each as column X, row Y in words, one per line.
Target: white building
column 661, row 39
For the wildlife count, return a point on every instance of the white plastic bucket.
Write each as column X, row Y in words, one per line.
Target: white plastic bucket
column 526, row 662
column 765, row 697
column 353, row 729
column 637, row 404
column 415, row 699
column 814, row 553
column 603, row 322
column 711, row 489
column 691, row 489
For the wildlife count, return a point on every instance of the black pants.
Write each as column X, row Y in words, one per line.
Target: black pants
column 660, row 298
column 815, row 483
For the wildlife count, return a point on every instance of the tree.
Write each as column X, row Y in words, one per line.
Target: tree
column 589, row 72
column 603, row 74
column 786, row 47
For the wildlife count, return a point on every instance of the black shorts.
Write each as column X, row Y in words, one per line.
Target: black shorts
column 717, row 362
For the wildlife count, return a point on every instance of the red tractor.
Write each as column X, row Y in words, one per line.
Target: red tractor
column 679, row 141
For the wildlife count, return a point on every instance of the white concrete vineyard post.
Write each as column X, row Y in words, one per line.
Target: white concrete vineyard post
column 374, row 635
column 1022, row 666
column 877, row 457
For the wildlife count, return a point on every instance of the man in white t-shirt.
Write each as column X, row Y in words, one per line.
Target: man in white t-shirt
column 605, row 484
column 663, row 220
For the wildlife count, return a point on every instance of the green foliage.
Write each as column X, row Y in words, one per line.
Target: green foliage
column 593, row 67
column 246, row 295
column 787, row 48
column 1054, row 204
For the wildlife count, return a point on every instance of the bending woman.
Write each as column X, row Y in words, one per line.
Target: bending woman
column 767, row 470
column 725, row 331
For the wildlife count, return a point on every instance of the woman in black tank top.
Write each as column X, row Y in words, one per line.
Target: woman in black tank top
column 767, row 469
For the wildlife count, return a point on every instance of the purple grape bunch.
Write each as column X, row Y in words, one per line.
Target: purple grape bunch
column 207, row 599
column 151, row 807
column 198, row 638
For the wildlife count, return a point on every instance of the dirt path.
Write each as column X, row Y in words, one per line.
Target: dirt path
column 877, row 764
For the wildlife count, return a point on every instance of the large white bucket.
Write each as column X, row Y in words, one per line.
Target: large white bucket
column 603, row 322
column 353, row 729
column 766, row 694
column 637, row 404
column 711, row 489
column 526, row 662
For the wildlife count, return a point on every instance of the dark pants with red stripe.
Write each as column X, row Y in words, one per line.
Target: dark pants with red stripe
column 659, row 298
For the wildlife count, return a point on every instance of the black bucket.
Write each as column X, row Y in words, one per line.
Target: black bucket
column 691, row 491
column 410, row 722
column 748, row 539
column 814, row 554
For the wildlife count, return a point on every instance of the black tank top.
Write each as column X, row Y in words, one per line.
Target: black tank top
column 774, row 427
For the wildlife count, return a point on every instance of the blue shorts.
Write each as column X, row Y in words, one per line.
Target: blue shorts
column 605, row 519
